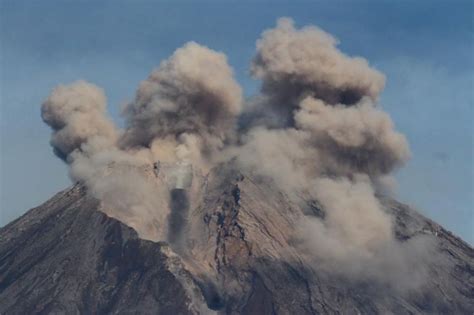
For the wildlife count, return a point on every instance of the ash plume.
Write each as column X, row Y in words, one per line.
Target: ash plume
column 191, row 94
column 315, row 131
column 182, row 113
column 359, row 138
column 293, row 64
column 77, row 115
column 127, row 188
column 325, row 137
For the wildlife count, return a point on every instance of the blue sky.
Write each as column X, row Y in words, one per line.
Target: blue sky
column 425, row 48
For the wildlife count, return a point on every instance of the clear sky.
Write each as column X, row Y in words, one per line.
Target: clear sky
column 425, row 48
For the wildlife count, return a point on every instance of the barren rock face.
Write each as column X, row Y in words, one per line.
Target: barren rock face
column 66, row 257
column 232, row 253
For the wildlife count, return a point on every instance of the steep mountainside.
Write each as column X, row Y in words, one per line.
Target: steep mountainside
column 66, row 257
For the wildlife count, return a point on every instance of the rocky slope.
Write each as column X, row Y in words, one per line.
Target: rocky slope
column 234, row 256
column 66, row 257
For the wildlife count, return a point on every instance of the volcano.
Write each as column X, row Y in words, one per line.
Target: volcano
column 210, row 202
column 234, row 256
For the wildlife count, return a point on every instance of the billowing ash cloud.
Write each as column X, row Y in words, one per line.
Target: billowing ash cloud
column 360, row 138
column 191, row 93
column 356, row 219
column 315, row 131
column 293, row 64
column 77, row 115
column 306, row 80
column 126, row 190
column 319, row 133
column 184, row 112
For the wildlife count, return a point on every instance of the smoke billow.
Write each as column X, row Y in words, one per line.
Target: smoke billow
column 127, row 191
column 76, row 113
column 359, row 138
column 356, row 219
column 293, row 64
column 315, row 131
column 191, row 96
column 325, row 137
column 182, row 113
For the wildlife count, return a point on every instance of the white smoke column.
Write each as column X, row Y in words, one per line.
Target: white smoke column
column 77, row 115
column 192, row 93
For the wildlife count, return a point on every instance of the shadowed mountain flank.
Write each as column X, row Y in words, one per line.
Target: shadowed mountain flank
column 65, row 257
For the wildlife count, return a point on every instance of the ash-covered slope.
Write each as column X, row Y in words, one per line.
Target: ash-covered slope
column 236, row 256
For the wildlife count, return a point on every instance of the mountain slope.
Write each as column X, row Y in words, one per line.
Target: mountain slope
column 66, row 257
column 250, row 228
column 237, row 256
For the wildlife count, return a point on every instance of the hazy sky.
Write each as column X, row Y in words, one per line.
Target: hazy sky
column 425, row 48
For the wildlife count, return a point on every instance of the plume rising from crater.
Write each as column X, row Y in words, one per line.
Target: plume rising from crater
column 314, row 132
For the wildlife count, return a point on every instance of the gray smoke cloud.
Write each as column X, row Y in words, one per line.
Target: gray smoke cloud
column 129, row 191
column 360, row 138
column 191, row 94
column 315, row 131
column 77, row 115
column 330, row 136
column 293, row 64
column 386, row 264
column 356, row 219
column 182, row 113
column 85, row 138
column 319, row 134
